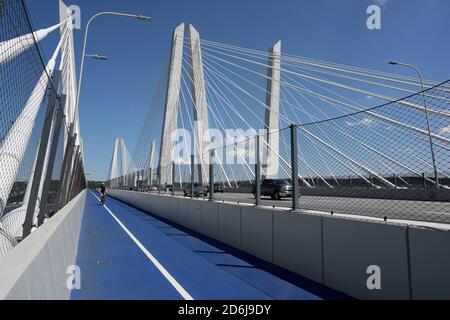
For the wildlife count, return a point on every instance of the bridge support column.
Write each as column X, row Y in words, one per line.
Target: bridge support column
column 51, row 160
column 272, row 118
column 171, row 106
column 42, row 158
column 202, row 136
column 65, row 171
column 71, row 175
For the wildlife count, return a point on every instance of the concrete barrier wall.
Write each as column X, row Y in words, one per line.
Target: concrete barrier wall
column 257, row 232
column 430, row 263
column 334, row 251
column 297, row 244
column 430, row 194
column 36, row 268
column 350, row 247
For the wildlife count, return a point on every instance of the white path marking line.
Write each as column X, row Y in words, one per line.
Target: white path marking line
column 158, row 265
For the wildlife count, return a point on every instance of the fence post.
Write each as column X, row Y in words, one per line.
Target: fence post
column 211, row 176
column 424, row 180
column 158, row 173
column 150, row 182
column 258, row 172
column 138, row 180
column 192, row 175
column 395, row 181
column 173, row 177
column 294, row 168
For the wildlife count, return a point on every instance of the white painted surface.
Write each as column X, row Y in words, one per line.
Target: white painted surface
column 256, row 232
column 297, row 244
column 350, row 247
column 36, row 267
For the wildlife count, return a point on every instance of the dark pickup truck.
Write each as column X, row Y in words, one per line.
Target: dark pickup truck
column 199, row 190
column 276, row 188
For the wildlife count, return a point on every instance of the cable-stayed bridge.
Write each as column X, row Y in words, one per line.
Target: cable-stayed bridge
column 360, row 133
column 257, row 175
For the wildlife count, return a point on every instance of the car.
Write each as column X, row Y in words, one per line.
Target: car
column 276, row 188
column 152, row 189
column 218, row 188
column 199, row 190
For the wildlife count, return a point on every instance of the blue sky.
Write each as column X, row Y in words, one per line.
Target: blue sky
column 116, row 94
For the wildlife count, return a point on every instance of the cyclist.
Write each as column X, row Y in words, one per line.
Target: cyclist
column 102, row 193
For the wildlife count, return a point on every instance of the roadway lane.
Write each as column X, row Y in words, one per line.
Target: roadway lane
column 379, row 208
column 114, row 264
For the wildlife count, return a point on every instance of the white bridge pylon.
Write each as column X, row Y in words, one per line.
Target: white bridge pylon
column 113, row 173
column 202, row 139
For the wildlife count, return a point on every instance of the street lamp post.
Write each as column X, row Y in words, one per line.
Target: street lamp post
column 139, row 17
column 96, row 57
column 433, row 158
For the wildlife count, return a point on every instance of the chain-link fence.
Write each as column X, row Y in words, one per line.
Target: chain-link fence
column 22, row 90
column 34, row 134
column 390, row 161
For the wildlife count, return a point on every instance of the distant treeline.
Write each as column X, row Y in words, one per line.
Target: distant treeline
column 94, row 184
column 19, row 189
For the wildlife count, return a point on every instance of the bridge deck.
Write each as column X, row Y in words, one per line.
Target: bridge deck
column 125, row 253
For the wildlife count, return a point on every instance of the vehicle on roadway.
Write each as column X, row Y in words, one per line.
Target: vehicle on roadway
column 218, row 188
column 276, row 188
column 199, row 190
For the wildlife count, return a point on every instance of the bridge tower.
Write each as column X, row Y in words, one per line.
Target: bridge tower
column 202, row 136
column 272, row 117
column 171, row 106
column 113, row 169
column 123, row 151
column 151, row 162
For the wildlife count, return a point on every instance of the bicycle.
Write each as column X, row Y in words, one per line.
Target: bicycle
column 102, row 198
